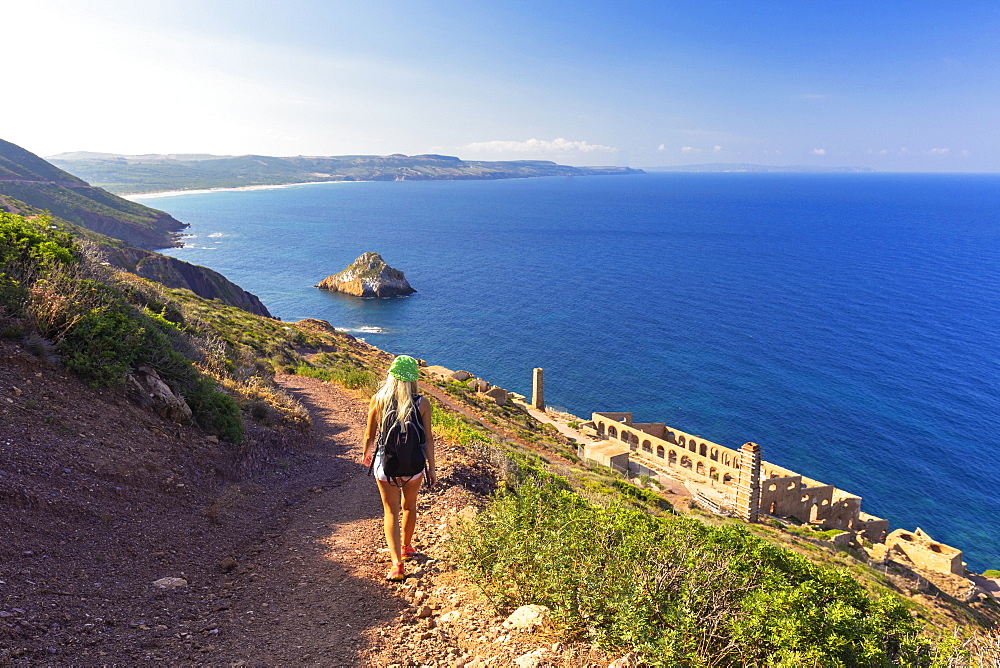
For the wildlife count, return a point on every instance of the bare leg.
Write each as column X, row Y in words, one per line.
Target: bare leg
column 410, row 490
column 390, row 519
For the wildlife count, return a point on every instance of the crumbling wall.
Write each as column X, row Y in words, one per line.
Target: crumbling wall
column 870, row 527
column 783, row 492
column 925, row 552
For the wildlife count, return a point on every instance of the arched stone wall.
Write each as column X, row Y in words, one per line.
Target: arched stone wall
column 785, row 491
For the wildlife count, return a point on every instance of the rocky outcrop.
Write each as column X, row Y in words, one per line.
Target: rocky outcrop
column 175, row 273
column 368, row 277
column 149, row 391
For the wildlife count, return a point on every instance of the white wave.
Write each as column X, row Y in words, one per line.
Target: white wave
column 215, row 235
column 364, row 329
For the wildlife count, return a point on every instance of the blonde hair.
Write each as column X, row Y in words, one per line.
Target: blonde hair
column 394, row 392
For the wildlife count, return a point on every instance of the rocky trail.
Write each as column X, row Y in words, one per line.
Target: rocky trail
column 278, row 561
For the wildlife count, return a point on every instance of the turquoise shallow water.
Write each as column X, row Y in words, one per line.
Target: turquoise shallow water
column 847, row 323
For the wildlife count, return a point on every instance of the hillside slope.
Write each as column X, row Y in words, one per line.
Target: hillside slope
column 169, row 271
column 154, row 173
column 29, row 178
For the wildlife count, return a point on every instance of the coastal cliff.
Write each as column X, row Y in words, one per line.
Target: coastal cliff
column 123, row 230
column 175, row 273
column 30, row 179
column 368, row 277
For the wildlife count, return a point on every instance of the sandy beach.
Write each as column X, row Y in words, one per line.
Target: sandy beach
column 200, row 191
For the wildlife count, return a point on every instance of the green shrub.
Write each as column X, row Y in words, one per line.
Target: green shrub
column 102, row 345
column 679, row 592
column 215, row 410
column 644, row 496
column 24, row 242
column 991, row 573
column 12, row 295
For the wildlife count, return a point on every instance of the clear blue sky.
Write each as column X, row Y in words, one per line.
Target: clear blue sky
column 893, row 85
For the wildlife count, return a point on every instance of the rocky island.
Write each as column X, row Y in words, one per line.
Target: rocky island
column 368, row 277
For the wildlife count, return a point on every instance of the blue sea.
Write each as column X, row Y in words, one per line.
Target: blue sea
column 849, row 323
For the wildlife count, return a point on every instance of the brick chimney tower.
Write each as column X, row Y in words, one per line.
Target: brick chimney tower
column 748, row 483
column 538, row 389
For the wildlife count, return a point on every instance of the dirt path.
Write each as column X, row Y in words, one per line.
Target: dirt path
column 310, row 587
column 280, row 546
column 311, row 590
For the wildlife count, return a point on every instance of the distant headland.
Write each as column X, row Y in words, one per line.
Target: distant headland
column 138, row 174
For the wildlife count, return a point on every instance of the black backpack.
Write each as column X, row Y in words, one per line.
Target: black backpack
column 402, row 445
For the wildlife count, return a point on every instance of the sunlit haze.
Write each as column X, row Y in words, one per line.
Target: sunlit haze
column 894, row 86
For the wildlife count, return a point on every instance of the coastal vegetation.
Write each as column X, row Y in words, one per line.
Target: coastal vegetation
column 157, row 173
column 102, row 324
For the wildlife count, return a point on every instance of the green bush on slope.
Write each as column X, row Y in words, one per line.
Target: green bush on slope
column 678, row 591
column 99, row 332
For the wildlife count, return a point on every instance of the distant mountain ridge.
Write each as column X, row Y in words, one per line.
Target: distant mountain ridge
column 134, row 174
column 749, row 167
column 30, row 179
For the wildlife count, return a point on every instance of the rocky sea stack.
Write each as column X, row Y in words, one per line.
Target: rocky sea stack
column 368, row 277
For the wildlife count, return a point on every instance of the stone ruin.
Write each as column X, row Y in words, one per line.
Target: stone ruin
column 499, row 395
column 757, row 489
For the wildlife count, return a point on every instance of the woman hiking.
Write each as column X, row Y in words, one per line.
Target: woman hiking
column 399, row 448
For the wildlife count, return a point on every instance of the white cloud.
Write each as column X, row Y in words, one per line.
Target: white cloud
column 557, row 145
column 819, row 151
column 716, row 149
column 965, row 153
column 661, row 147
column 690, row 149
column 940, row 151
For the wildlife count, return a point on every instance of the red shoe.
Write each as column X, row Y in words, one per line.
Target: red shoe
column 408, row 553
column 397, row 573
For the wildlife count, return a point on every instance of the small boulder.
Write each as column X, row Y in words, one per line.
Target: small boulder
column 170, row 583
column 630, row 660
column 531, row 659
column 449, row 617
column 228, row 564
column 461, row 376
column 527, row 617
column 149, row 391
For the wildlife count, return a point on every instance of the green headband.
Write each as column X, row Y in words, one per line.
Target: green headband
column 405, row 368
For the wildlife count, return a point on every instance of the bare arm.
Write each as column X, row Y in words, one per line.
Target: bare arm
column 425, row 416
column 371, row 432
